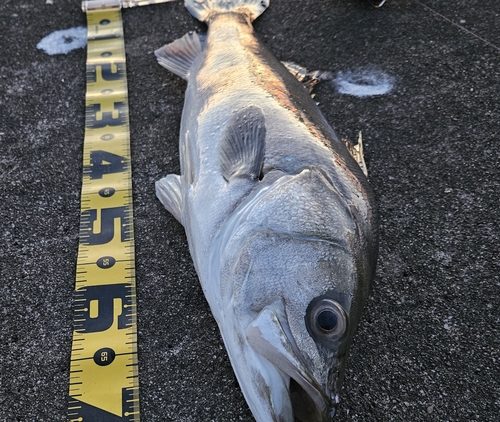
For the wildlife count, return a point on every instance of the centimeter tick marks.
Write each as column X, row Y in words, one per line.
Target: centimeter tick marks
column 104, row 383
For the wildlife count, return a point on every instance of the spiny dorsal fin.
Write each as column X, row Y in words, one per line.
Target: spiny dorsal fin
column 308, row 79
column 179, row 56
column 357, row 152
column 241, row 151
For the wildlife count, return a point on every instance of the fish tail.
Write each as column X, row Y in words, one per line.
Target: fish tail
column 203, row 9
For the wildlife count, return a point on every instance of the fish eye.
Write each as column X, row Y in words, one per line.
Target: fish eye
column 327, row 319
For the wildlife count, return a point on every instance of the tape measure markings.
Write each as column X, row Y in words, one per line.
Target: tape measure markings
column 103, row 375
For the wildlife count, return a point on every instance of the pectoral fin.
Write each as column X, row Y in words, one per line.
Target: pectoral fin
column 168, row 191
column 241, row 151
column 179, row 56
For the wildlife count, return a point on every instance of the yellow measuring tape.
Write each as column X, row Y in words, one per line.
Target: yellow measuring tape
column 104, row 383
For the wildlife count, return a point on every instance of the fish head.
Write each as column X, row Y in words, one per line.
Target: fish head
column 293, row 292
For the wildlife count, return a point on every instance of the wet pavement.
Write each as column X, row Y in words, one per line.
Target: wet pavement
column 428, row 346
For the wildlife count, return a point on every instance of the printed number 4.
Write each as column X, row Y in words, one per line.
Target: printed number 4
column 104, row 162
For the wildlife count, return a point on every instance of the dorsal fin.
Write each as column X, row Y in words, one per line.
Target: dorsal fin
column 356, row 150
column 241, row 151
column 308, row 79
column 179, row 56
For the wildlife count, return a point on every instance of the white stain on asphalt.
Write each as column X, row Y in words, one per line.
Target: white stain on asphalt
column 364, row 83
column 64, row 41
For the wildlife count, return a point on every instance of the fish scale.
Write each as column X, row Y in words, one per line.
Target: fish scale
column 280, row 218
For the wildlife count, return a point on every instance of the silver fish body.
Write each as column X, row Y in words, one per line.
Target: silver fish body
column 279, row 217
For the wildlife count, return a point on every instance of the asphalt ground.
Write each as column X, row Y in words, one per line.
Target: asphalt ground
column 428, row 347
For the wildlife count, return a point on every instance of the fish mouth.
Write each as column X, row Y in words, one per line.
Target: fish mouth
column 306, row 406
column 311, row 401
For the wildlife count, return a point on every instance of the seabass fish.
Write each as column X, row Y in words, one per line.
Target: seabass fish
column 279, row 217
